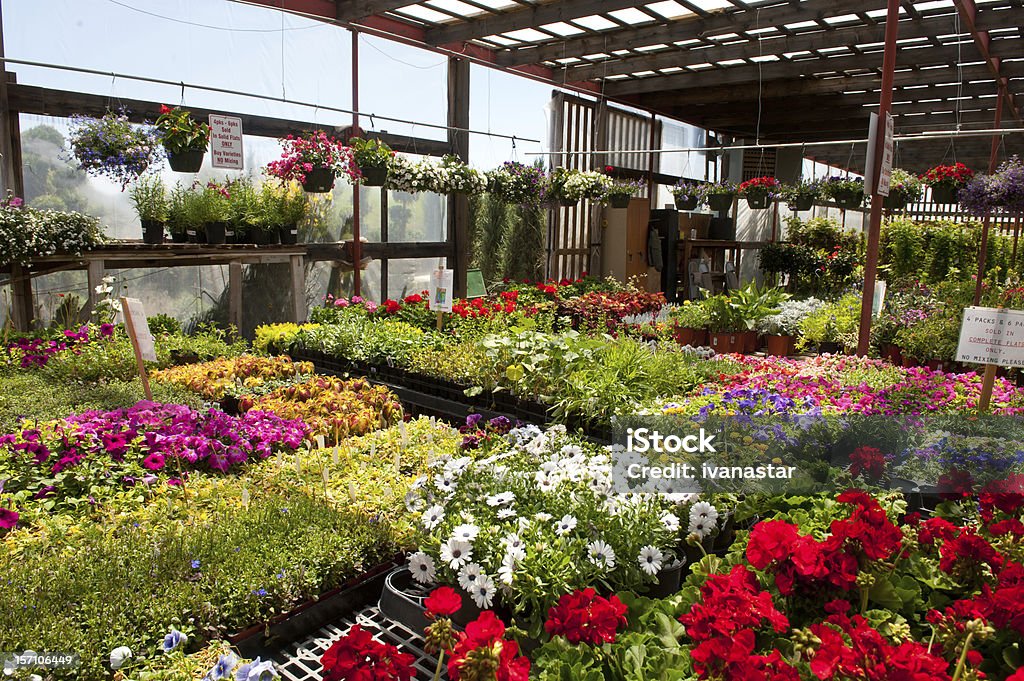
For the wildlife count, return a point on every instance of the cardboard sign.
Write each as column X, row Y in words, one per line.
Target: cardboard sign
column 441, row 290
column 138, row 327
column 475, row 286
column 226, row 149
column 992, row 335
column 881, row 185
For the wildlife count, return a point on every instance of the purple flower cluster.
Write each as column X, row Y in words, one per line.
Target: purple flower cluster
column 1004, row 189
column 112, row 146
column 35, row 353
column 153, row 435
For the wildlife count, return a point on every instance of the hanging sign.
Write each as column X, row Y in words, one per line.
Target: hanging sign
column 441, row 290
column 226, row 142
column 992, row 335
column 885, row 166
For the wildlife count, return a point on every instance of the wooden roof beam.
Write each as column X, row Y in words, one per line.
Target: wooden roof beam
column 969, row 15
column 777, row 45
column 786, row 12
column 354, row 10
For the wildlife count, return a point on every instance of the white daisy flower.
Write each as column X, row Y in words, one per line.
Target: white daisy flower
column 506, row 513
column 457, row 467
column 469, row 574
column 456, row 553
column 421, row 565
column 601, row 554
column 650, row 560
column 703, row 509
column 482, row 592
column 670, row 521
column 513, row 541
column 501, row 499
column 466, row 532
column 566, row 525
column 444, row 484
column 433, row 516
column 700, row 526
column 414, row 502
column 547, row 483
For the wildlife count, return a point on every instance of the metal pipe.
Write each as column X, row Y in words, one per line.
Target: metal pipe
column 356, row 187
column 875, row 225
column 282, row 100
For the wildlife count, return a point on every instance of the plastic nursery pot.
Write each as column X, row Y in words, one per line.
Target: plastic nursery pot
column 319, row 180
column 619, row 201
column 669, row 580
column 186, row 161
column 689, row 202
column 374, row 176
column 267, row 237
column 908, row 362
column 566, row 203
column 944, row 194
column 749, row 340
column 152, row 232
column 850, row 200
column 230, row 235
column 938, row 365
column 720, row 202
column 727, row 341
column 289, row 234
column 179, row 237
column 895, row 202
column 216, row 232
column 692, row 337
column 192, row 235
column 758, row 201
column 892, row 353
column 780, row 346
column 802, row 203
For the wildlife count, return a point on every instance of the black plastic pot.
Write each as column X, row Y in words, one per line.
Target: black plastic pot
column 848, row 201
column 401, row 599
column 803, row 202
column 619, row 201
column 267, row 237
column 230, row 235
column 186, row 161
column 289, row 234
column 758, row 201
column 689, row 202
column 179, row 237
column 944, row 194
column 192, row 235
column 720, row 202
column 669, row 581
column 319, row 181
column 374, row 177
column 895, row 202
column 152, row 232
column 566, row 203
column 216, row 233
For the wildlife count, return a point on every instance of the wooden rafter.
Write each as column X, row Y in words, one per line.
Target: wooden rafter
column 969, row 15
column 354, row 10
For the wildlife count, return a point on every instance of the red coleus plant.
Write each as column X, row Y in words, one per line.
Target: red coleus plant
column 482, row 652
column 583, row 616
column 952, row 176
column 357, row 656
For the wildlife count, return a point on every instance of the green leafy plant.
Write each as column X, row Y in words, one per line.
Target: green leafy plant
column 834, row 323
column 370, row 153
column 149, row 197
column 179, row 132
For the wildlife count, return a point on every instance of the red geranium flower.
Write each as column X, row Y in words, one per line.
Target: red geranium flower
column 869, row 462
column 442, row 602
column 483, row 641
column 358, row 657
column 583, row 616
column 966, row 553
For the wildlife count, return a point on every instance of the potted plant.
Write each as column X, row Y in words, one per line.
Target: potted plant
column 293, row 209
column 847, row 192
column 580, row 185
column 194, row 212
column 619, row 192
column 372, row 158
column 903, row 189
column 459, row 178
column 216, row 209
column 687, row 194
column 946, row 181
column 149, row 197
column 515, row 183
column 759, row 191
column 177, row 221
column 718, row 196
column 801, row 195
column 752, row 304
column 1003, row 189
column 781, row 328
column 314, row 160
column 184, row 138
column 724, row 324
column 689, row 323
column 245, row 215
column 112, row 147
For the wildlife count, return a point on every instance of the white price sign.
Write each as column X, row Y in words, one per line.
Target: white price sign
column 135, row 319
column 992, row 335
column 226, row 142
column 881, row 185
column 441, row 290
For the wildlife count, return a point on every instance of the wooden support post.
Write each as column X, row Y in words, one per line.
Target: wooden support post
column 875, row 224
column 235, row 294
column 458, row 204
column 988, row 381
column 298, row 265
column 10, row 165
column 22, row 302
column 95, row 270
column 986, row 223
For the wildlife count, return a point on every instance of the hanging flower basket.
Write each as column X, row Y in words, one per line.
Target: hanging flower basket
column 895, row 202
column 374, row 176
column 620, row 200
column 944, row 194
column 186, row 161
column 760, row 191
column 758, row 201
column 946, row 181
column 184, row 138
column 720, row 202
column 319, row 180
column 802, row 202
column 687, row 202
column 851, row 200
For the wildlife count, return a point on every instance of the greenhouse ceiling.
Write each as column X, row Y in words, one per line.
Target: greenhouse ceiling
column 775, row 70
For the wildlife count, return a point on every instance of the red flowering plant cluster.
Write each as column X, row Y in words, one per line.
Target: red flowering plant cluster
column 867, row 462
column 357, row 656
column 760, row 186
column 313, row 150
column 482, row 653
column 440, row 605
column 585, row 617
column 947, row 176
column 601, row 311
